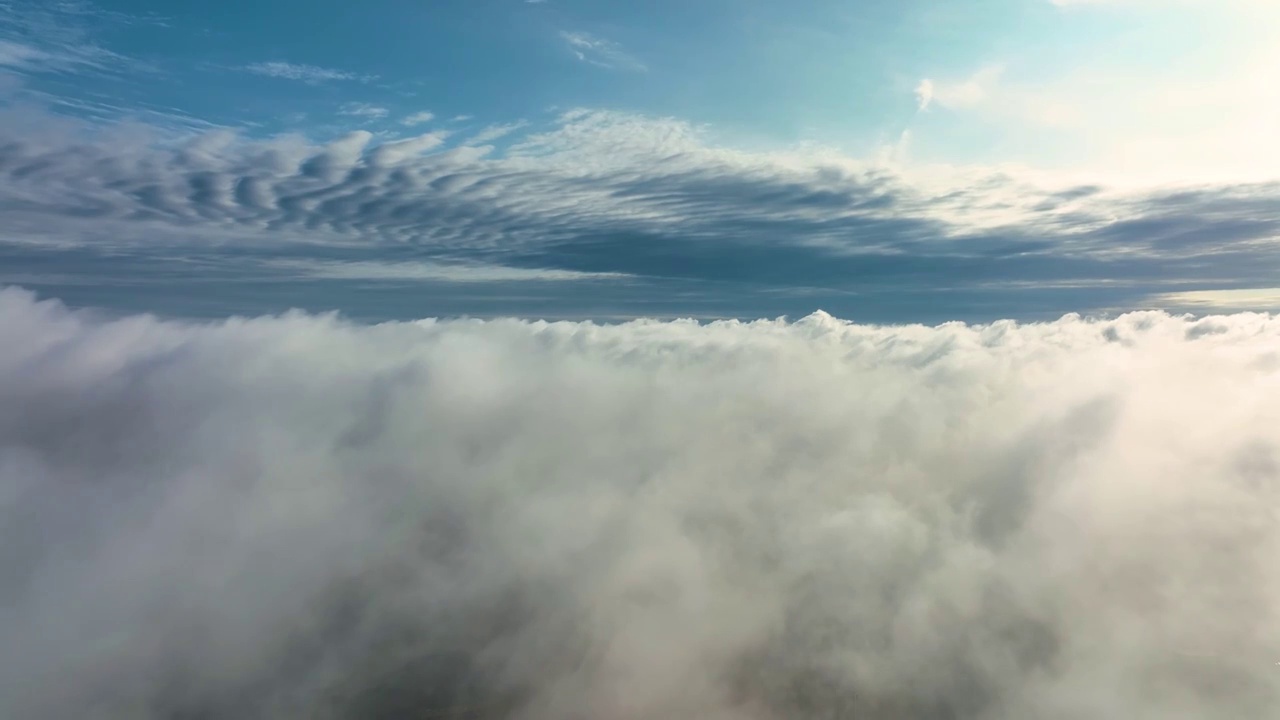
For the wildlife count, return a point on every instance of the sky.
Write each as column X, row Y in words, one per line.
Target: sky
column 913, row 160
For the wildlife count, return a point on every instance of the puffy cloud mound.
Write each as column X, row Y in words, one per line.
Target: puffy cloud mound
column 297, row 516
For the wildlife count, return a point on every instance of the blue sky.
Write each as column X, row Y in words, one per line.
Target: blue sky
column 911, row 160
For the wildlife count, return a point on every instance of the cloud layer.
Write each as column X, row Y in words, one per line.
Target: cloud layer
column 600, row 192
column 299, row 517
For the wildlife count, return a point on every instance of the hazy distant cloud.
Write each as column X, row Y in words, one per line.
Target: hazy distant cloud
column 306, row 73
column 363, row 110
column 300, row 517
column 1235, row 300
column 599, row 51
column 1150, row 3
column 1141, row 124
column 418, row 118
column 1267, row 6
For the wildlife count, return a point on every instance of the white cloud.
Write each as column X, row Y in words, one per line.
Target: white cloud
column 306, row 73
column 601, row 52
column 298, row 517
column 966, row 93
column 494, row 132
column 363, row 110
column 924, row 94
column 418, row 118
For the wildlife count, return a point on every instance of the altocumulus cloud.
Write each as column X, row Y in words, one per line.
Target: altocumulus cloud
column 601, row 192
column 297, row 516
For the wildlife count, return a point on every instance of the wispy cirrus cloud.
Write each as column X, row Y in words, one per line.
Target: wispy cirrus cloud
column 310, row 74
column 21, row 56
column 600, row 52
column 363, row 110
column 64, row 37
column 495, row 132
column 24, row 57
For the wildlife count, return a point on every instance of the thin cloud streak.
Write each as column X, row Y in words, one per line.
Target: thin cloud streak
column 310, row 74
column 363, row 110
column 600, row 52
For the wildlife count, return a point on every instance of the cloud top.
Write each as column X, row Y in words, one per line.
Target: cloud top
column 297, row 516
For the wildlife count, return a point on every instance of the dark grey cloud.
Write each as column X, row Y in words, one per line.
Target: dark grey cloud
column 300, row 517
